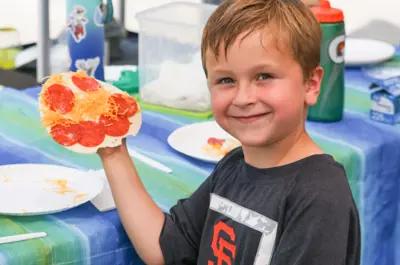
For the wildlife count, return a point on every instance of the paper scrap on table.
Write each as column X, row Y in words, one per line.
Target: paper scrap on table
column 104, row 201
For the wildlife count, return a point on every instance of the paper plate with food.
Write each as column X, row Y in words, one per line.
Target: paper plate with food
column 206, row 141
column 35, row 189
column 84, row 114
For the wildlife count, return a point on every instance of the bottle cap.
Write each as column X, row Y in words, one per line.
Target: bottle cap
column 326, row 14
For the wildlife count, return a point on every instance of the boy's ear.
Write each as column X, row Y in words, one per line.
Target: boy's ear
column 313, row 86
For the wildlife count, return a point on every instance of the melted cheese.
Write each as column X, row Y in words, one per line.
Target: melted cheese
column 87, row 105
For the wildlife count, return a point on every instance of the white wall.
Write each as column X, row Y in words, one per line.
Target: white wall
column 360, row 12
column 22, row 14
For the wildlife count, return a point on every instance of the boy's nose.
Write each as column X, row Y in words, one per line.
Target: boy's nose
column 245, row 95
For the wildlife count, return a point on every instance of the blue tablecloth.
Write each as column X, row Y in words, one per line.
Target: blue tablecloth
column 369, row 152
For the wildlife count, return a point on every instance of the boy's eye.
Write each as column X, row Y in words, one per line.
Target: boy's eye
column 263, row 76
column 225, row 80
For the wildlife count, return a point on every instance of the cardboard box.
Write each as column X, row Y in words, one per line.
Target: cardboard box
column 385, row 105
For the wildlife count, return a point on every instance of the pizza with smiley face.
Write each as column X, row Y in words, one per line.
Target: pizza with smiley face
column 84, row 114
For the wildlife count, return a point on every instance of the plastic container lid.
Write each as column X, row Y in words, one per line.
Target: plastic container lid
column 128, row 81
column 326, row 14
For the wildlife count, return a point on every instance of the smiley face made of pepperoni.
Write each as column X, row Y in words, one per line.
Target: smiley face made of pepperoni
column 84, row 114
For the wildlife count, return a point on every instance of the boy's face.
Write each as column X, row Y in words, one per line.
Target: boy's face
column 258, row 92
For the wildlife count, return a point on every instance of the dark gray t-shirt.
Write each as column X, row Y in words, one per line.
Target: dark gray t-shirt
column 297, row 214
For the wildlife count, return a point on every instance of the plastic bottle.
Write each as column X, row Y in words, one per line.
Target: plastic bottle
column 86, row 37
column 330, row 104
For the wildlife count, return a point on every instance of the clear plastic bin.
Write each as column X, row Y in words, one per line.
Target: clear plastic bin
column 170, row 67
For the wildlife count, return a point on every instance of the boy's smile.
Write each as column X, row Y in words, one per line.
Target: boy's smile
column 250, row 118
column 258, row 91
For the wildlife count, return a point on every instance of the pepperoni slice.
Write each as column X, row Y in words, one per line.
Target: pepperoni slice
column 126, row 106
column 60, row 98
column 66, row 135
column 87, row 84
column 93, row 133
column 115, row 127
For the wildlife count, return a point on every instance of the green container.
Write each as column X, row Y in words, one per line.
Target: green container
column 330, row 104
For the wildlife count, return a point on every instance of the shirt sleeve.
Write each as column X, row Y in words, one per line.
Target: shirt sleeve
column 321, row 228
column 181, row 233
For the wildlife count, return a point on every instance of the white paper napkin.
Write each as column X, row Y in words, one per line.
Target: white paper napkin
column 104, row 201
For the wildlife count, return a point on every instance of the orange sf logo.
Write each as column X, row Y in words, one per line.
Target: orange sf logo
column 219, row 245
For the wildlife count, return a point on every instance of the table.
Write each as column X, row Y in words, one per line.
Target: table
column 368, row 150
column 83, row 235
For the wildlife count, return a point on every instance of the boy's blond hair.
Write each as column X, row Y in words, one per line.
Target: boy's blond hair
column 289, row 22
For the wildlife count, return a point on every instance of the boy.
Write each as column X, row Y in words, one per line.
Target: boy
column 278, row 199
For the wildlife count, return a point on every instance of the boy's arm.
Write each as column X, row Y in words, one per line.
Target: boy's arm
column 158, row 238
column 320, row 228
column 141, row 217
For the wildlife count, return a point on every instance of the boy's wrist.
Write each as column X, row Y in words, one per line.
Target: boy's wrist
column 112, row 153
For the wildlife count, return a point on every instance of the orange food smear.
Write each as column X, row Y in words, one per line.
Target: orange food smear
column 78, row 197
column 62, row 185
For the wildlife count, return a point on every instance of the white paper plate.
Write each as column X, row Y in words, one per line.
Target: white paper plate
column 367, row 51
column 381, row 72
column 190, row 139
column 35, row 189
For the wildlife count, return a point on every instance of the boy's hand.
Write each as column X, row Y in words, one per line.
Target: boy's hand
column 142, row 218
column 107, row 152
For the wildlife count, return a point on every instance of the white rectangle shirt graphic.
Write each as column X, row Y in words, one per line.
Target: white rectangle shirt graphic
column 266, row 226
